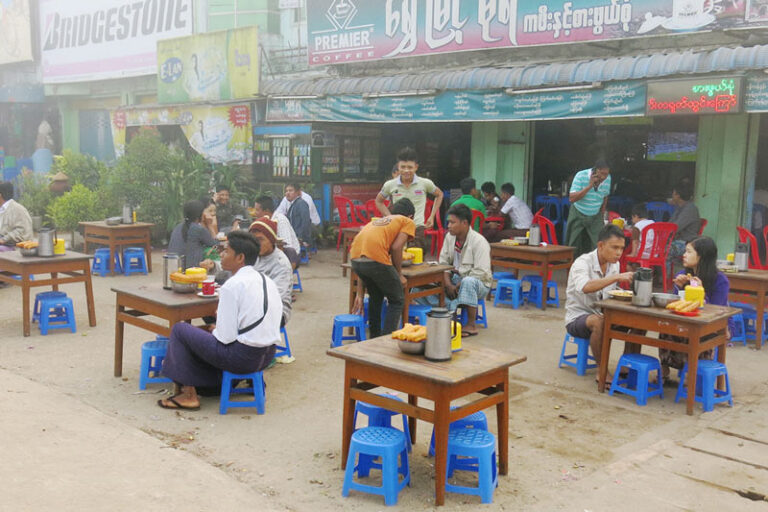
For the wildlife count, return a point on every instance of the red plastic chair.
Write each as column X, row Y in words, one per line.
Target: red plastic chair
column 347, row 218
column 362, row 213
column 754, row 252
column 613, row 215
column 703, row 225
column 478, row 219
column 437, row 233
column 373, row 211
column 547, row 228
column 663, row 235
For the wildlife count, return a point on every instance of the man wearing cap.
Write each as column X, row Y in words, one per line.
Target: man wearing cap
column 264, row 206
column 273, row 262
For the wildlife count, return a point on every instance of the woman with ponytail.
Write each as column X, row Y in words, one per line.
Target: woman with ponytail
column 190, row 237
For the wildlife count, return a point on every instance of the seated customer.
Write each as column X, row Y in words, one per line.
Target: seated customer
column 189, row 238
column 592, row 275
column 273, row 262
column 376, row 254
column 640, row 221
column 520, row 216
column 470, row 255
column 490, row 198
column 243, row 338
column 686, row 217
column 264, row 206
column 15, row 222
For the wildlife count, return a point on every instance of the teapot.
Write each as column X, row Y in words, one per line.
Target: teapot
column 439, row 335
column 642, row 286
column 45, row 242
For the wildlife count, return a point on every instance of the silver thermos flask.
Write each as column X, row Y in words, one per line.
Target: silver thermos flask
column 438, row 346
column 171, row 263
column 534, row 235
column 741, row 257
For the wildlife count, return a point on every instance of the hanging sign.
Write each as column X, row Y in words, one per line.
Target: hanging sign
column 705, row 95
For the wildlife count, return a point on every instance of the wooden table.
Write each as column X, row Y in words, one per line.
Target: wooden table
column 347, row 236
column 118, row 236
column 713, row 321
column 542, row 258
column 416, row 276
column 751, row 287
column 136, row 301
column 76, row 266
column 379, row 363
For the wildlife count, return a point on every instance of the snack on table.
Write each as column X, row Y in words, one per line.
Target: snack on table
column 27, row 244
column 683, row 306
column 411, row 332
column 407, row 256
column 182, row 278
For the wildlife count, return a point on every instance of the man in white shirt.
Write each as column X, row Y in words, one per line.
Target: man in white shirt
column 243, row 338
column 285, row 205
column 15, row 222
column 264, row 206
column 520, row 216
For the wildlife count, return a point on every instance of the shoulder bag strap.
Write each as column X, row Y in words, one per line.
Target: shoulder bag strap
column 266, row 305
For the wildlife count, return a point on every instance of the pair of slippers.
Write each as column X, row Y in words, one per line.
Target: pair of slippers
column 176, row 405
column 467, row 334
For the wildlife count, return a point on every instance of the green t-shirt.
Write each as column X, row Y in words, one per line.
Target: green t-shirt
column 472, row 204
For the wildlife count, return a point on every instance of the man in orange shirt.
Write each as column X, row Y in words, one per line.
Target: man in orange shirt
column 377, row 254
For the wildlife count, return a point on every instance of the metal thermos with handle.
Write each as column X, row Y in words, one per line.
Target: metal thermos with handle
column 741, row 257
column 127, row 214
column 171, row 263
column 642, row 287
column 534, row 235
column 46, row 238
column 438, row 346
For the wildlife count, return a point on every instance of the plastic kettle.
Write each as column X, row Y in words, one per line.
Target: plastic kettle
column 439, row 335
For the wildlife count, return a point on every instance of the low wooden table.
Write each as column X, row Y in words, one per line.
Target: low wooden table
column 541, row 258
column 751, row 287
column 118, row 236
column 76, row 266
column 416, row 276
column 136, row 301
column 712, row 322
column 347, row 236
column 379, row 363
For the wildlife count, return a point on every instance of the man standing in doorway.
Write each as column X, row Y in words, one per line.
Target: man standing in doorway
column 408, row 185
column 298, row 214
column 589, row 198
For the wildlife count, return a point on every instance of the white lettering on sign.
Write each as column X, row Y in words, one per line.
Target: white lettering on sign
column 404, row 22
column 503, row 11
column 342, row 41
column 439, row 14
column 567, row 19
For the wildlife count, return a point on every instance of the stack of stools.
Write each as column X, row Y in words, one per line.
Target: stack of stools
column 297, row 285
column 55, row 312
column 473, row 449
column 739, row 332
column 418, row 312
column 482, row 316
column 284, row 350
column 498, row 276
column 101, row 265
column 707, row 394
column 380, row 417
column 533, row 294
column 152, row 355
column 367, row 444
column 355, row 322
column 508, row 291
column 474, row 420
column 637, row 382
column 134, row 261
column 256, row 389
column 582, row 357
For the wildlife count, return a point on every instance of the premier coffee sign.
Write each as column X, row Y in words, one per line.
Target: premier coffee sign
column 705, row 95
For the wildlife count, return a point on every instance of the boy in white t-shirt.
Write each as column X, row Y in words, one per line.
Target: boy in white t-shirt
column 639, row 221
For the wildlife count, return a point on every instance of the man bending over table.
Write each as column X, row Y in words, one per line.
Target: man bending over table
column 591, row 277
column 243, row 338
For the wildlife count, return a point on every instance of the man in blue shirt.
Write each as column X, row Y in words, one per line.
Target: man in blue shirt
column 588, row 197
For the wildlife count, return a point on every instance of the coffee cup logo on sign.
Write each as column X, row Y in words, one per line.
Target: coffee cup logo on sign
column 683, row 10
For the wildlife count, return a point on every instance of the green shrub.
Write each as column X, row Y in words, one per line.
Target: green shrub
column 78, row 205
column 79, row 168
column 35, row 194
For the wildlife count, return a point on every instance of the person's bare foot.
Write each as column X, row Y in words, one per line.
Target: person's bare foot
column 185, row 398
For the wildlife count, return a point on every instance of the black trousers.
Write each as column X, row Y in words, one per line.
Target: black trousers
column 381, row 281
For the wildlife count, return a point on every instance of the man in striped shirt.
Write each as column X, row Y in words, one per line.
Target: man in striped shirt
column 589, row 197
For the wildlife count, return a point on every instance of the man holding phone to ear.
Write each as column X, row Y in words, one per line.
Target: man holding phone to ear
column 589, row 197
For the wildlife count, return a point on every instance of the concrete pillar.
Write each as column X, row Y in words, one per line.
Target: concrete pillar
column 501, row 153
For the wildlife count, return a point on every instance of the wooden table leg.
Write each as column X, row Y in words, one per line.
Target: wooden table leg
column 693, row 366
column 119, row 328
column 406, row 302
column 760, row 317
column 414, row 401
column 348, row 426
column 544, row 289
column 502, row 420
column 89, row 295
column 25, row 303
column 721, row 358
column 54, row 276
column 442, row 410
column 148, row 251
column 605, row 352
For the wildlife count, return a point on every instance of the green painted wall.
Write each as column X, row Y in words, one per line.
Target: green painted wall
column 70, row 127
column 501, row 153
column 228, row 14
column 725, row 144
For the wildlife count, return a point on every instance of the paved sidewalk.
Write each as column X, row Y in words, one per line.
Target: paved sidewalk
column 60, row 454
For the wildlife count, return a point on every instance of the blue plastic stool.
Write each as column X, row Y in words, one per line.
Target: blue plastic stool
column 152, row 355
column 637, row 383
column 134, row 261
column 534, row 292
column 418, row 312
column 47, row 295
column 739, row 332
column 297, row 285
column 381, row 417
column 57, row 313
column 481, row 318
column 749, row 315
column 508, row 291
column 706, row 377
column 285, row 350
column 372, row 442
column 303, row 256
column 474, row 420
column 479, row 444
column 582, row 357
column 256, row 388
column 340, row 322
column 498, row 276
column 101, row 266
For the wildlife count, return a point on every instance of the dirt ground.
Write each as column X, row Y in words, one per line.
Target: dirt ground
column 565, row 436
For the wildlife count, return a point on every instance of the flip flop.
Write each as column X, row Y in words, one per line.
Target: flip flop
column 177, row 405
column 467, row 334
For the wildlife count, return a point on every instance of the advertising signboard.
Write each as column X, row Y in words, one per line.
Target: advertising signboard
column 342, row 31
column 214, row 66
column 15, row 32
column 705, row 95
column 84, row 41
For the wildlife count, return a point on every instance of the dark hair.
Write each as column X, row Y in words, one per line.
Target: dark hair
column 684, row 190
column 403, row 207
column 610, row 231
column 243, row 242
column 296, row 186
column 407, row 154
column 266, row 203
column 706, row 248
column 6, row 190
column 461, row 212
column 640, row 210
column 601, row 163
column 221, row 188
column 488, row 187
column 193, row 210
column 508, row 188
column 467, row 185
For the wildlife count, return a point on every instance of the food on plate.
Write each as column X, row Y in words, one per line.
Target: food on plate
column 407, row 256
column 683, row 306
column 411, row 332
column 182, row 278
column 27, row 244
column 621, row 293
